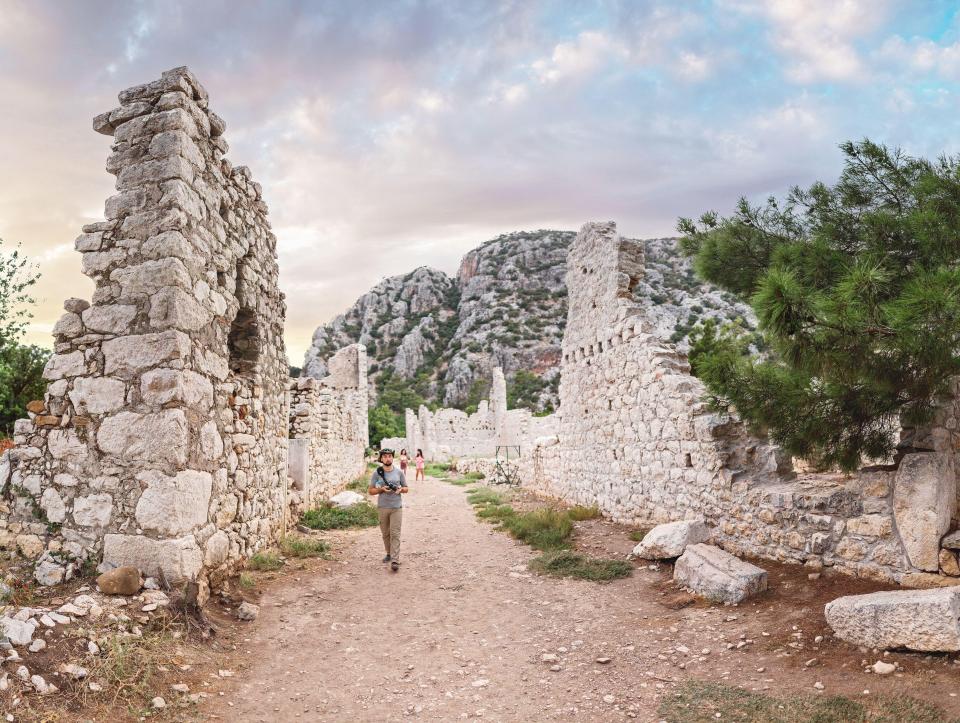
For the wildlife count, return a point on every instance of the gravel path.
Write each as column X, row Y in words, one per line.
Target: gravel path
column 462, row 630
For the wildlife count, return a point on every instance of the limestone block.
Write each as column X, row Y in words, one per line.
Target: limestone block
column 151, row 276
column 65, row 444
column 52, row 505
column 64, row 365
column 97, row 395
column 347, row 498
column 129, row 355
column 952, row 541
column 877, row 525
column 157, row 438
column 19, row 632
column 178, row 559
column 174, row 505
column 924, row 620
column 68, row 325
column 228, row 510
column 176, row 308
column 93, row 510
column 160, row 386
column 717, row 575
column 217, row 548
column 671, row 539
column 211, row 443
column 29, row 545
column 48, row 573
column 924, row 496
column 110, row 318
column 948, row 563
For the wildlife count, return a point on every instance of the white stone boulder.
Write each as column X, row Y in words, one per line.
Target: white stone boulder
column 19, row 632
column 924, row 496
column 671, row 539
column 178, row 559
column 346, row 499
column 924, row 620
column 716, row 575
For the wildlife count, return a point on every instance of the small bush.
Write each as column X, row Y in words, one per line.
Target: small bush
column 265, row 561
column 362, row 514
column 583, row 513
column 638, row 535
column 304, row 547
column 563, row 563
column 246, row 581
column 484, row 496
column 436, row 469
column 543, row 529
column 360, row 484
column 473, row 476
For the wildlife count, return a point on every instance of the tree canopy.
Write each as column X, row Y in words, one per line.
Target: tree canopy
column 856, row 287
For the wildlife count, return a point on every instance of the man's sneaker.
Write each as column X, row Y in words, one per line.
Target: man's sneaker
column 386, row 558
column 394, row 565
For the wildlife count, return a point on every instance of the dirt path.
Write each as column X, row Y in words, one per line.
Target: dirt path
column 461, row 630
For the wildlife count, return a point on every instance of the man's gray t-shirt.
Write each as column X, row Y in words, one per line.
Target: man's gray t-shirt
column 389, row 500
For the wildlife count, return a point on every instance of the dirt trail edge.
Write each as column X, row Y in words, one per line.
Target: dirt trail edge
column 463, row 629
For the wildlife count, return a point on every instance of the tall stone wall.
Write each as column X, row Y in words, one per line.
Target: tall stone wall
column 328, row 427
column 161, row 439
column 636, row 439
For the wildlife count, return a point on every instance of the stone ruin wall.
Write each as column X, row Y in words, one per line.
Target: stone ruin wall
column 162, row 438
column 636, row 439
column 449, row 434
column 328, row 428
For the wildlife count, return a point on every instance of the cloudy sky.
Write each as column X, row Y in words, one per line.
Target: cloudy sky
column 389, row 135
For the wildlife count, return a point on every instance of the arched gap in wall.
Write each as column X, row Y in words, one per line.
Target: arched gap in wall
column 244, row 341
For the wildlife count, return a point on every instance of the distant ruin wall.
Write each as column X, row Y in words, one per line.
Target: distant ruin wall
column 328, row 428
column 162, row 438
column 636, row 439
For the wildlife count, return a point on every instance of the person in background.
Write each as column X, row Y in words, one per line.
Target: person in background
column 404, row 458
column 388, row 483
column 419, row 461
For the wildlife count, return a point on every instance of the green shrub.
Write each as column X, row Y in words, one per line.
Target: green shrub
column 543, row 529
column 362, row 514
column 583, row 513
column 265, row 561
column 563, row 563
column 304, row 547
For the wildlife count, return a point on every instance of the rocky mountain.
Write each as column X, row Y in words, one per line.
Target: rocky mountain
column 434, row 338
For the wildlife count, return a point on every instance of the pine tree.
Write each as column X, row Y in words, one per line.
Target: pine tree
column 856, row 288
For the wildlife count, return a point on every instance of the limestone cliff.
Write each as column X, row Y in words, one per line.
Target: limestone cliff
column 441, row 336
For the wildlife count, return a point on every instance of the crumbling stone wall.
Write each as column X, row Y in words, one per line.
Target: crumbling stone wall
column 161, row 439
column 453, row 434
column 328, row 428
column 636, row 439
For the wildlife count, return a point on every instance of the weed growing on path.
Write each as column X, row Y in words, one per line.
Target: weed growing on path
column 549, row 530
column 247, row 581
column 565, row 563
column 697, row 701
column 638, row 535
column 265, row 561
column 362, row 514
column 304, row 547
column 437, row 469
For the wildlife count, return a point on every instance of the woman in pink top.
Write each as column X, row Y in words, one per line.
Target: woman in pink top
column 404, row 458
column 419, row 460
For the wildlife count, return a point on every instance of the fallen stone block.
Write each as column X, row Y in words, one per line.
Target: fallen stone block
column 347, row 499
column 923, row 497
column 120, row 581
column 671, row 539
column 716, row 575
column 927, row 620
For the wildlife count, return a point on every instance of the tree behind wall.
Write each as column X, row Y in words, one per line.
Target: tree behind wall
column 21, row 367
column 857, row 290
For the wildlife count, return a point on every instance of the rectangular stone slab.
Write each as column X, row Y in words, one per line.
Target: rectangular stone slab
column 717, row 575
column 914, row 619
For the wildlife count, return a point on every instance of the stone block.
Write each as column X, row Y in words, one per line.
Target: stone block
column 177, row 560
column 109, row 318
column 19, row 632
column 174, row 505
column 65, row 444
column 160, row 438
column 924, row 497
column 671, row 539
column 52, row 505
column 925, row 620
column 97, row 395
column 65, row 365
column 870, row 525
column 176, row 308
column 161, row 386
column 93, row 510
column 151, row 276
column 217, row 549
column 123, row 580
column 717, row 575
column 129, row 355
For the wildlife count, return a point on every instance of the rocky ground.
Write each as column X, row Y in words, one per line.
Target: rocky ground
column 464, row 631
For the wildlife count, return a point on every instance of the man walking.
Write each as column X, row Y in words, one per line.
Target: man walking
column 388, row 483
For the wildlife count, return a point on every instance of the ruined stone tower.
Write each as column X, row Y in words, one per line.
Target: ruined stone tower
column 161, row 440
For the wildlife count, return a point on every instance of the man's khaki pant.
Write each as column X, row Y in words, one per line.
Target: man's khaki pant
column 390, row 521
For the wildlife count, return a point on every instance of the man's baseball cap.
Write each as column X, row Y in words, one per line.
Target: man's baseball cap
column 386, row 451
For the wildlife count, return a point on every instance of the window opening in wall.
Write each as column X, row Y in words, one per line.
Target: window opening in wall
column 244, row 342
column 687, row 460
